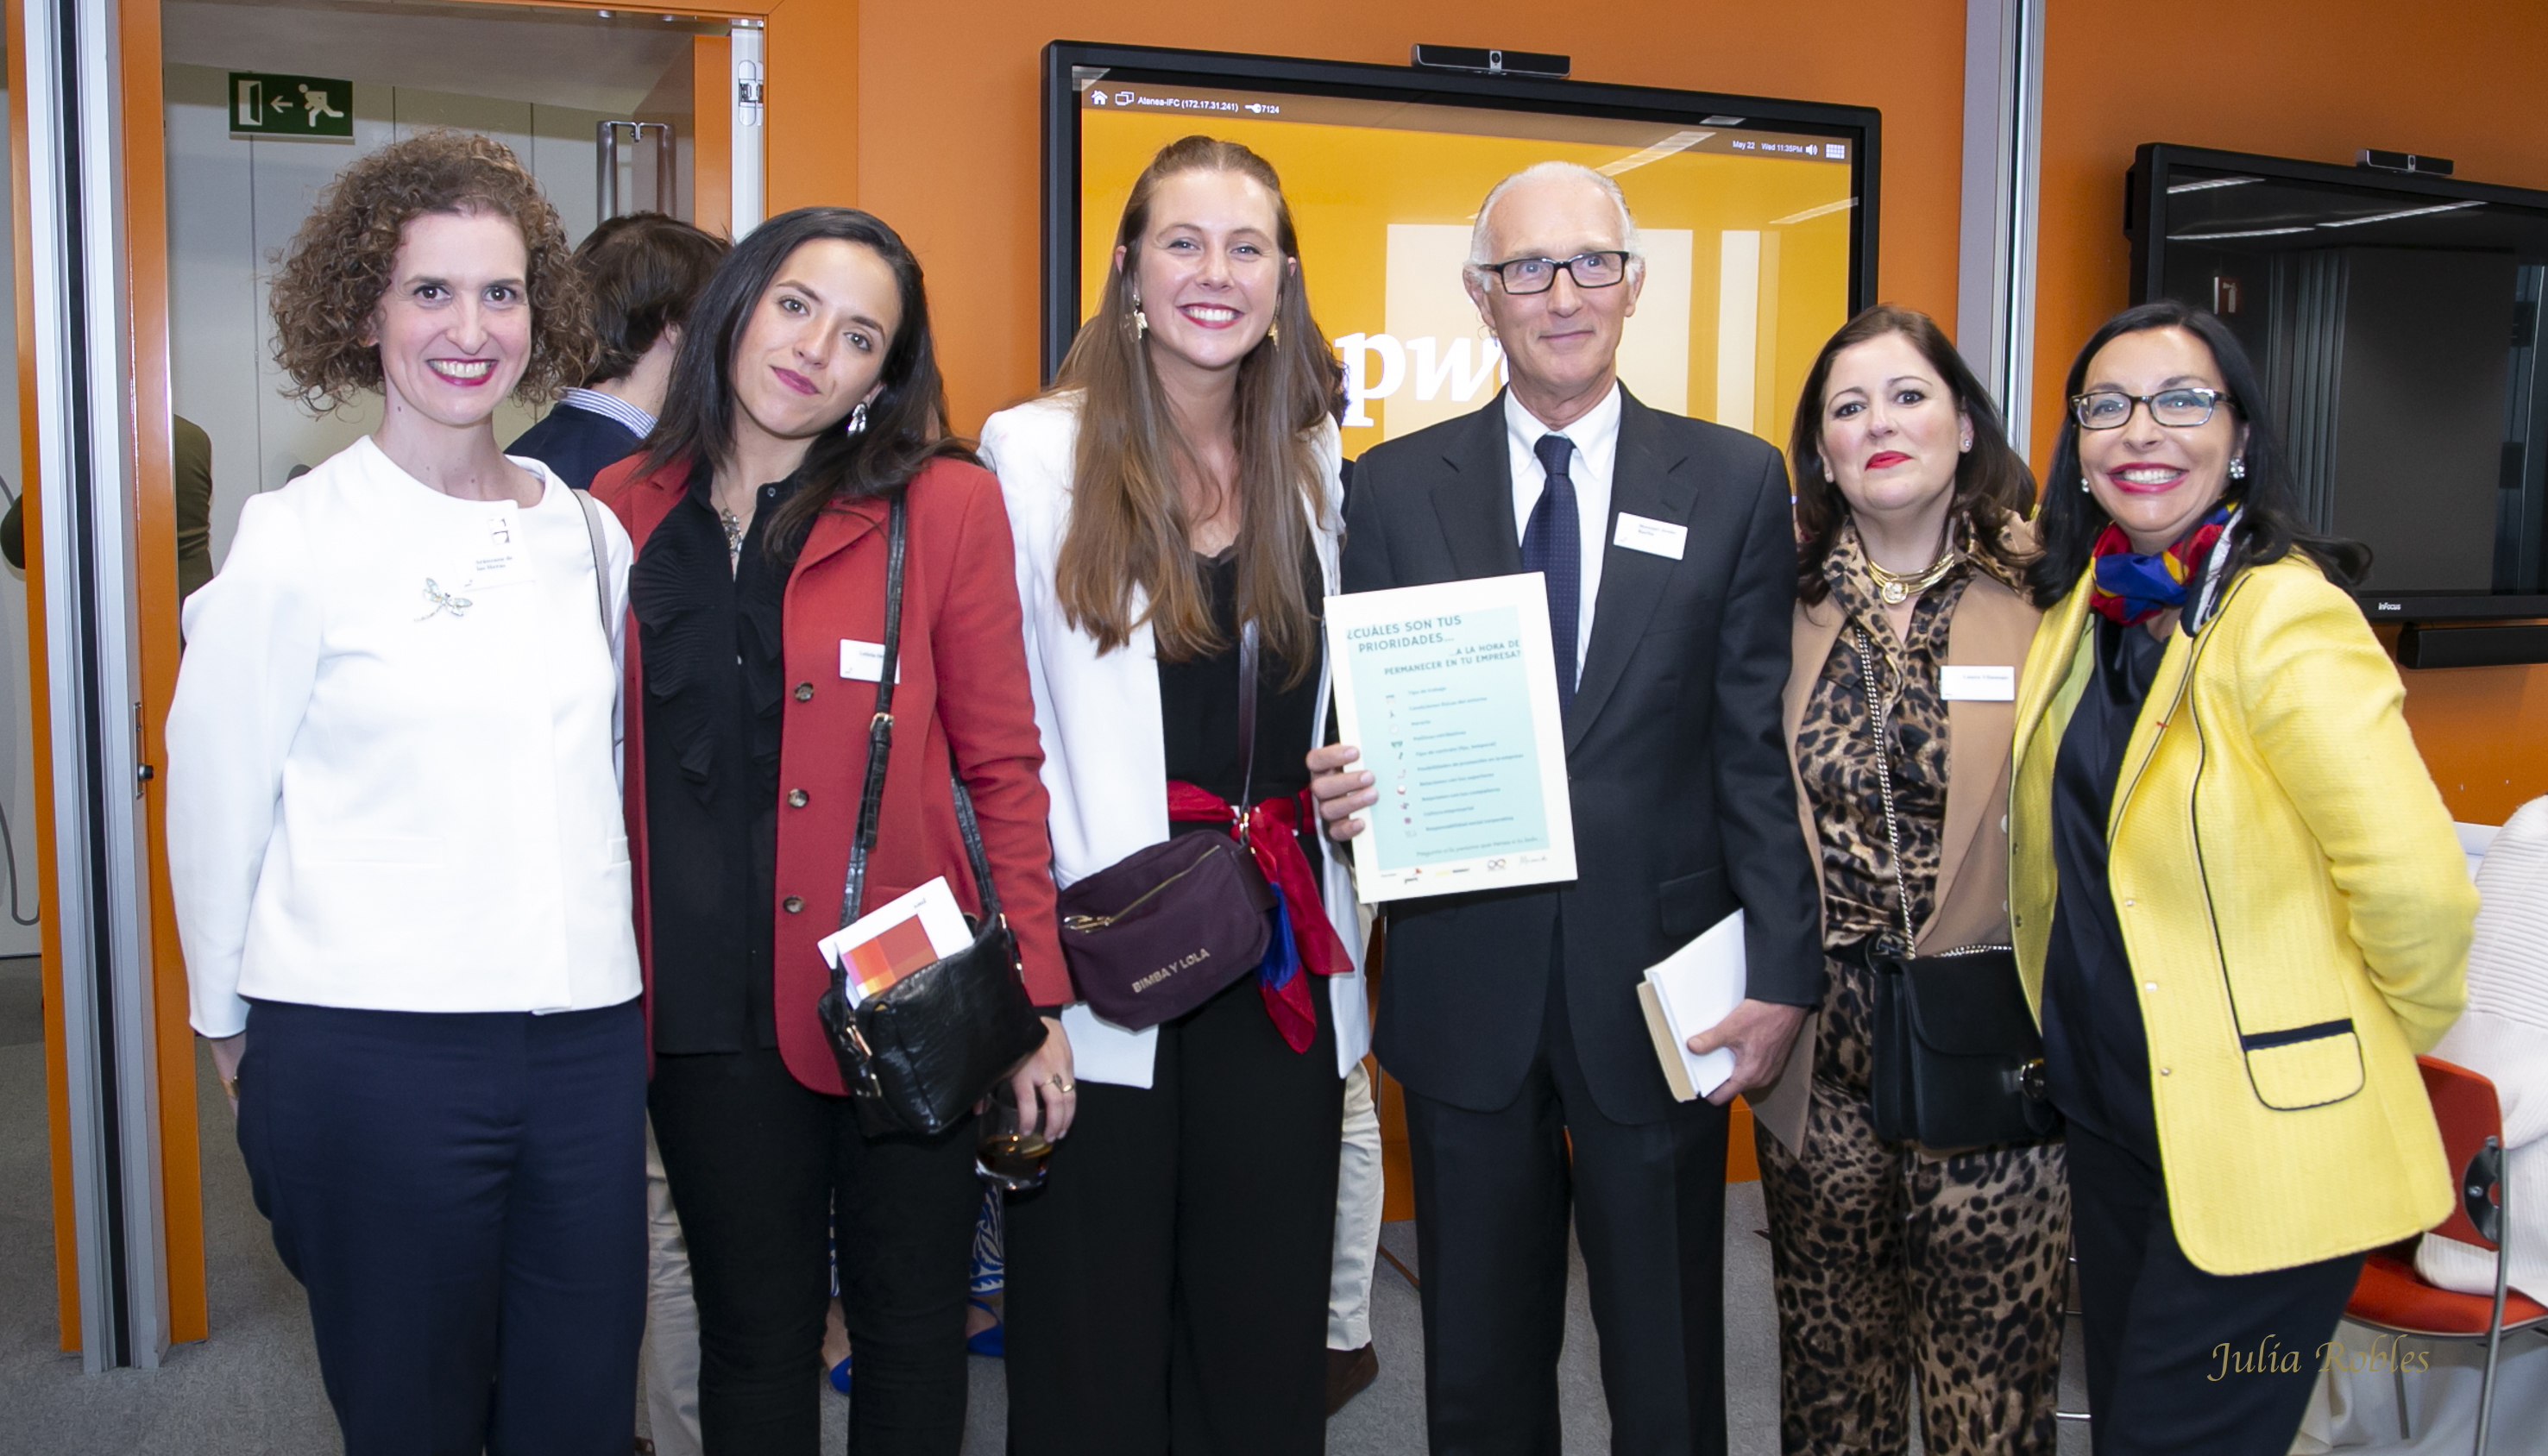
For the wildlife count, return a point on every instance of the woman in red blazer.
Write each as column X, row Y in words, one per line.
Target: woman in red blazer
column 805, row 393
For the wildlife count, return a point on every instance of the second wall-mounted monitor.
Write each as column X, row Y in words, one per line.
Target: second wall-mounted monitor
column 1757, row 216
column 2395, row 321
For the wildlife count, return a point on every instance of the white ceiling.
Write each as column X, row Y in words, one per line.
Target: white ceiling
column 550, row 56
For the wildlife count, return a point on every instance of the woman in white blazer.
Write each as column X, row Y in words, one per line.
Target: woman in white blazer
column 399, row 869
column 1175, row 494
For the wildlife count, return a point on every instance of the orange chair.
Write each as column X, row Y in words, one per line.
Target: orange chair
column 2390, row 1295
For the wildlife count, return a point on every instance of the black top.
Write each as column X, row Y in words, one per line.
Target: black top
column 2096, row 1052
column 1199, row 710
column 576, row 442
column 709, row 639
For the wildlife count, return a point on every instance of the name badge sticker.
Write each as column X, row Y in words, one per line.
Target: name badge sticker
column 1977, row 684
column 1653, row 537
column 864, row 661
column 494, row 553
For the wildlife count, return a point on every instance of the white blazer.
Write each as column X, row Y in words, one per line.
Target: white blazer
column 1105, row 758
column 383, row 800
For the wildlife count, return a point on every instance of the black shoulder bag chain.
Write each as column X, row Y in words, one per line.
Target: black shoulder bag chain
column 1958, row 1060
column 920, row 1053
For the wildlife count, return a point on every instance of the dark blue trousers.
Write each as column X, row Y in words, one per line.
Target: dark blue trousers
column 464, row 1198
column 2181, row 1361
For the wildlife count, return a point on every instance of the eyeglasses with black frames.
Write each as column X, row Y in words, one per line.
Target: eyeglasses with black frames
column 1604, row 269
column 2176, row 409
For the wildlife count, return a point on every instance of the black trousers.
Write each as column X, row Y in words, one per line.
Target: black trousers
column 762, row 1170
column 1168, row 1283
column 2180, row 1360
column 1491, row 1197
column 463, row 1195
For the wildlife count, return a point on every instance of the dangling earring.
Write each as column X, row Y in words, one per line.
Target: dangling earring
column 2239, row 468
column 1273, row 334
column 1141, row 322
column 858, row 419
column 2083, row 487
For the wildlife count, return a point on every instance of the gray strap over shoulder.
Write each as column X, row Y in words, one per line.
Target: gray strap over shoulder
column 600, row 559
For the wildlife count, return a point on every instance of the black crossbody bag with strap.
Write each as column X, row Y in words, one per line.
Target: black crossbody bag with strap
column 920, row 1053
column 1958, row 1061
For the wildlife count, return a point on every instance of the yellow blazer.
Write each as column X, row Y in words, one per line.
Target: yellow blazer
column 2295, row 907
column 1991, row 627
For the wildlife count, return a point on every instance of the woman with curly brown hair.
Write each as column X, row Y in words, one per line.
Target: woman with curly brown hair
column 395, row 844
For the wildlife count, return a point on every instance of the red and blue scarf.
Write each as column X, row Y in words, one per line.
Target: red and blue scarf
column 2132, row 588
column 1302, row 940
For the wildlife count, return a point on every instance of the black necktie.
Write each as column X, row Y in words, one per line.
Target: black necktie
column 1554, row 547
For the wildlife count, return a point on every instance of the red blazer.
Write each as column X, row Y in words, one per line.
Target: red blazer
column 960, row 607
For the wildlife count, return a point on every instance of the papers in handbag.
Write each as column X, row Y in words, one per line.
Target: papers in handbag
column 896, row 939
column 1688, row 992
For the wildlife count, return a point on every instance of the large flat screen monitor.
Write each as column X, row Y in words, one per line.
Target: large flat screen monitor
column 2395, row 319
column 1757, row 215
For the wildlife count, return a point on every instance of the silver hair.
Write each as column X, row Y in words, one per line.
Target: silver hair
column 1480, row 250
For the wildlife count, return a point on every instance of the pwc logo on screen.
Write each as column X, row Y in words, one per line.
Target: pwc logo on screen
column 1432, row 361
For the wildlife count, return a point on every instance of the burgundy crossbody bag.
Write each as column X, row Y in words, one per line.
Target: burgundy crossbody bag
column 1161, row 931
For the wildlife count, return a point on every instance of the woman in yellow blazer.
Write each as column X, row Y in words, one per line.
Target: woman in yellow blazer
column 2237, row 902
column 1898, row 1269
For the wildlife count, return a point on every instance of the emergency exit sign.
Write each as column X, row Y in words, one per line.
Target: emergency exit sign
column 263, row 105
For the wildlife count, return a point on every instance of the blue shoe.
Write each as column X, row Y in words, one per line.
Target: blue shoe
column 841, row 1376
column 991, row 1341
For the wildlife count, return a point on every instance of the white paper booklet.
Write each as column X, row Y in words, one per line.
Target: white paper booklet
column 1688, row 992
column 897, row 938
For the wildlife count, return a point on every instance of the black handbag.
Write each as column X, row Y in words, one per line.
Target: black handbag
column 919, row 1054
column 1957, row 1061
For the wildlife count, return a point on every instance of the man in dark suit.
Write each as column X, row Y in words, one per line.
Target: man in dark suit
column 1511, row 1016
column 643, row 270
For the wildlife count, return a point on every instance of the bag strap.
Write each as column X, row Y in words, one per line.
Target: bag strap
column 880, row 749
column 1878, row 712
column 1247, row 716
column 600, row 557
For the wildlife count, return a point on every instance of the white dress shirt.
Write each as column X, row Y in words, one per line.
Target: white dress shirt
column 1104, row 753
column 393, row 780
column 610, row 406
column 1597, row 453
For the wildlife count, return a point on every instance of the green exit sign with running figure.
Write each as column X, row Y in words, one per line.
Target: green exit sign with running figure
column 263, row 105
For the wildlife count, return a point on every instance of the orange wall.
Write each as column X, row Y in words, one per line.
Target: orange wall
column 947, row 134
column 2317, row 81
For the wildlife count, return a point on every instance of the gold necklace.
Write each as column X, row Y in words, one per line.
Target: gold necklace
column 1897, row 587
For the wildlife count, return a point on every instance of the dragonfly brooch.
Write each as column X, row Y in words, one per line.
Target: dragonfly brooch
column 444, row 602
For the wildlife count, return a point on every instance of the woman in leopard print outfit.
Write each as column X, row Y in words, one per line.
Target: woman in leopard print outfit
column 1895, row 1264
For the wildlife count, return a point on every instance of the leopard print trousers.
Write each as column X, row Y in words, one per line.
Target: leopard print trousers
column 1886, row 1263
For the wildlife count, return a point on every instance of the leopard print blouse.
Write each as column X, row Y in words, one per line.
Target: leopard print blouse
column 1836, row 752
